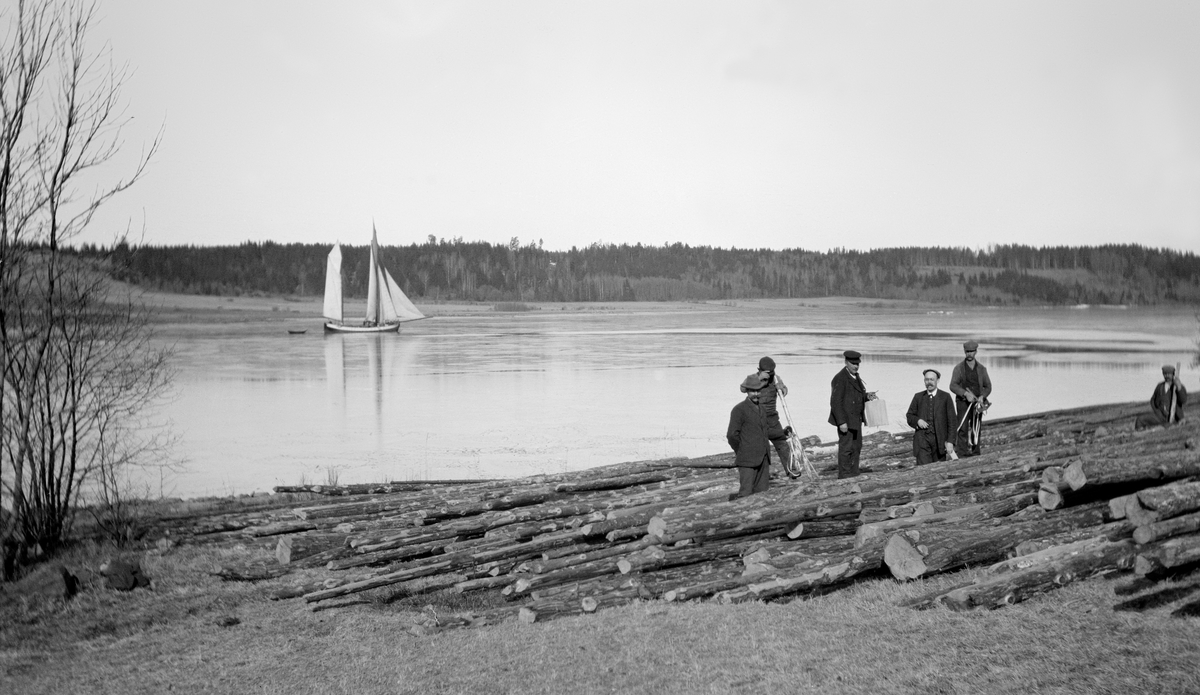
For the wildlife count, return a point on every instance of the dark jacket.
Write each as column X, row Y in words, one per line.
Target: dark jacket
column 747, row 434
column 847, row 400
column 944, row 420
column 1160, row 402
column 957, row 386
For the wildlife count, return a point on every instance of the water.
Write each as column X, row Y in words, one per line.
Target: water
column 509, row 394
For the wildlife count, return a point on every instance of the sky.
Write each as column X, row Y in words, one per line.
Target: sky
column 747, row 123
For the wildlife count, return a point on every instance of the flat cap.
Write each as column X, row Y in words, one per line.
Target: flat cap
column 970, row 346
column 936, row 373
column 1168, row 369
column 852, row 356
column 766, row 364
column 753, row 382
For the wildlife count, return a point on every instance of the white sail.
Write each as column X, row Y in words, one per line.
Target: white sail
column 373, row 313
column 402, row 306
column 333, row 284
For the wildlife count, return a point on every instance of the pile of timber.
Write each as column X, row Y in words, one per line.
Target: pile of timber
column 1055, row 497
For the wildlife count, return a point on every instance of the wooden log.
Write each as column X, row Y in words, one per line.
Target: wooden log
column 278, row 528
column 1113, row 531
column 383, row 557
column 823, row 529
column 915, row 553
column 862, row 560
column 1167, row 501
column 294, row 548
column 1169, row 528
column 550, row 565
column 1066, row 565
column 1176, row 552
column 1159, row 467
column 870, row 533
column 674, row 557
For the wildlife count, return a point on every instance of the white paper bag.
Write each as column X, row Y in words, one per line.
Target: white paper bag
column 876, row 413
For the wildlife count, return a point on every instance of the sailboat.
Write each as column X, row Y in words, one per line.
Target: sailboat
column 387, row 305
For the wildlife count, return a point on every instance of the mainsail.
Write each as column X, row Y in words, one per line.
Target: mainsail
column 333, row 284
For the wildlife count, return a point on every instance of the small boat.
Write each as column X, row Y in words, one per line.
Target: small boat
column 387, row 305
column 297, row 331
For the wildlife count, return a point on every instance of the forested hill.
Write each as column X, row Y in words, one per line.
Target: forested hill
column 478, row 271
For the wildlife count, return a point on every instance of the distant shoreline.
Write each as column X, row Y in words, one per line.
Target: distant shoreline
column 172, row 307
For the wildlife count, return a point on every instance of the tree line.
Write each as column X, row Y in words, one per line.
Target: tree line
column 441, row 269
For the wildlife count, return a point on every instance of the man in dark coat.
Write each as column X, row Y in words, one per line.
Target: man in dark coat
column 772, row 389
column 1168, row 390
column 971, row 387
column 847, row 404
column 935, row 420
column 748, row 437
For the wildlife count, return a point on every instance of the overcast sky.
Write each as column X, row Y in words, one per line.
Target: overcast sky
column 749, row 124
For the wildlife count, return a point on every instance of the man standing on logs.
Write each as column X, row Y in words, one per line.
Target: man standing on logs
column 934, row 418
column 1166, row 405
column 971, row 387
column 847, row 403
column 769, row 397
column 748, row 437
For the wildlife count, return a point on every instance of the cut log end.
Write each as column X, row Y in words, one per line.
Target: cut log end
column 904, row 560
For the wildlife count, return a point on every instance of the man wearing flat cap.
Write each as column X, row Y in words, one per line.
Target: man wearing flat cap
column 847, row 404
column 748, row 437
column 935, row 420
column 971, row 387
column 1169, row 392
column 773, row 388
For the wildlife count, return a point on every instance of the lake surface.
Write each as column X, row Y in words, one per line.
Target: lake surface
column 511, row 394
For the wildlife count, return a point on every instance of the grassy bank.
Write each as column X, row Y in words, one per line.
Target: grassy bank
column 197, row 633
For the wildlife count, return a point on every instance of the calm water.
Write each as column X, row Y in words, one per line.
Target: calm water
column 499, row 395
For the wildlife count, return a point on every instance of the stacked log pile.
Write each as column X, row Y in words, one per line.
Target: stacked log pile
column 1055, row 497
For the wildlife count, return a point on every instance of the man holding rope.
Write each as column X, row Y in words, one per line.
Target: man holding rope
column 971, row 387
column 769, row 396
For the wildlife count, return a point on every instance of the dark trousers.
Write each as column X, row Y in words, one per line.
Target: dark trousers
column 782, row 449
column 752, row 480
column 925, row 446
column 965, row 447
column 1150, row 419
column 849, row 448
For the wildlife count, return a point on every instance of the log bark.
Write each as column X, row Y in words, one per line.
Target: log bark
column 1059, row 567
column 860, row 561
column 1176, row 552
column 1159, row 467
column 294, row 548
column 917, row 553
column 1169, row 528
column 1167, row 501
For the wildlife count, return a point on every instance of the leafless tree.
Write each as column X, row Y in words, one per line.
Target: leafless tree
column 78, row 362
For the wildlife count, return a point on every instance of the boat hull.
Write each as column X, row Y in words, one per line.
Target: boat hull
column 331, row 327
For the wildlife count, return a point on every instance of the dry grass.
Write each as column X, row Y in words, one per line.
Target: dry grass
column 856, row 640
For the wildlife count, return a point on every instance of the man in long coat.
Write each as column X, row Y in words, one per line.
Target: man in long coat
column 748, row 436
column 1170, row 388
column 971, row 387
column 847, row 405
column 935, row 420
